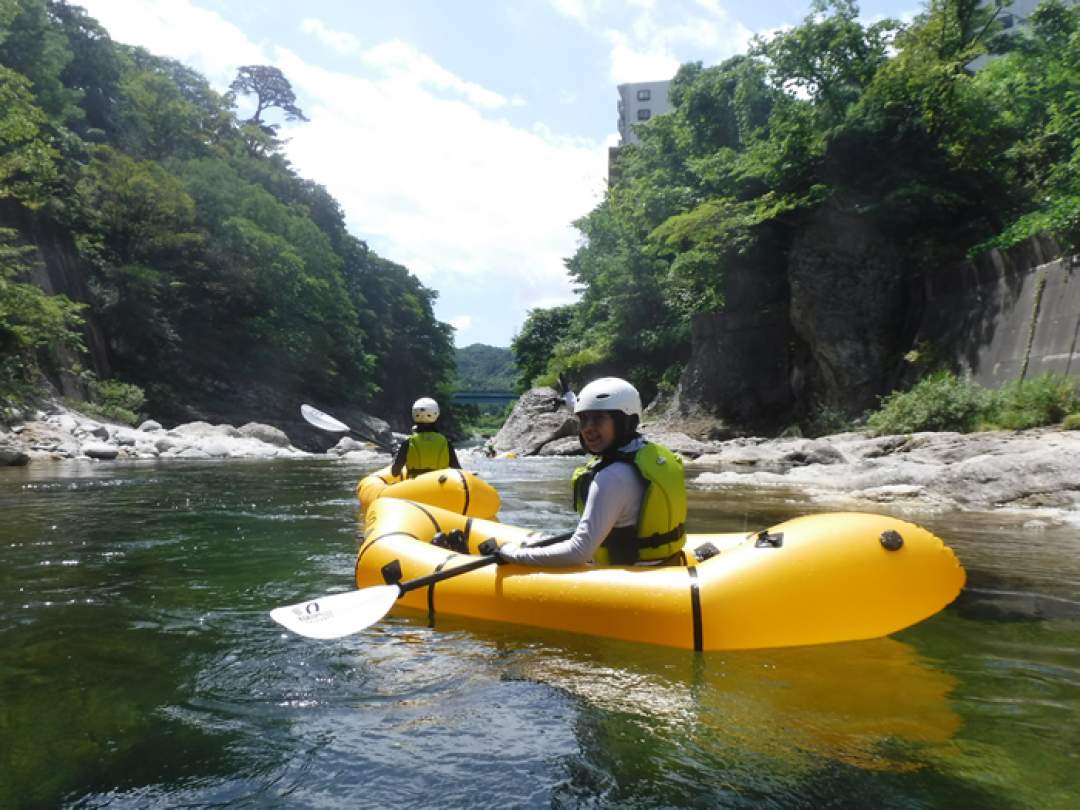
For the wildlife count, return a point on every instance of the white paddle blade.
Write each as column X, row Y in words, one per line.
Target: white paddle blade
column 337, row 615
column 322, row 420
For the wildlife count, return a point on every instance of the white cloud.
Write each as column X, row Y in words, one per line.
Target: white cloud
column 574, row 9
column 653, row 45
column 713, row 7
column 404, row 64
column 631, row 64
column 461, row 322
column 647, row 41
column 340, row 41
column 424, row 168
column 451, row 190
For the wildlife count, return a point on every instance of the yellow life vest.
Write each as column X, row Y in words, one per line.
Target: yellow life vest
column 428, row 450
column 661, row 524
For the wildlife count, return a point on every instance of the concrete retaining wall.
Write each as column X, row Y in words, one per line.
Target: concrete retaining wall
column 1006, row 316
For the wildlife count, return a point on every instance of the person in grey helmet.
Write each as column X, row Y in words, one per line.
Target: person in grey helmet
column 631, row 494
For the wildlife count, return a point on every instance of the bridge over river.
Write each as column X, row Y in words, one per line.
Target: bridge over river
column 500, row 398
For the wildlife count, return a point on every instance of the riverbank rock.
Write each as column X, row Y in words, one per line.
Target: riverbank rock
column 539, row 418
column 979, row 471
column 265, row 433
column 58, row 433
column 99, row 450
column 11, row 456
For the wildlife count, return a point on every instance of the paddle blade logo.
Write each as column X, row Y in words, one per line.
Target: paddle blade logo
column 338, row 614
column 310, row 612
column 304, row 619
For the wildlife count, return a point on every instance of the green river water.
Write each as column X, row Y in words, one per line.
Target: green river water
column 139, row 667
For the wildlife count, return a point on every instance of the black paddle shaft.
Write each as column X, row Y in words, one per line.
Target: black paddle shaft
column 373, row 440
column 486, row 560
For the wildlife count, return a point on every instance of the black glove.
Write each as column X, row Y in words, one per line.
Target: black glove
column 452, row 541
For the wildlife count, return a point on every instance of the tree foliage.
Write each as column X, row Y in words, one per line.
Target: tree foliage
column 214, row 269
column 534, row 345
column 886, row 121
column 485, row 368
column 271, row 90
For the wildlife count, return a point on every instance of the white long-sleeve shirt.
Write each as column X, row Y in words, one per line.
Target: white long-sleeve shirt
column 614, row 500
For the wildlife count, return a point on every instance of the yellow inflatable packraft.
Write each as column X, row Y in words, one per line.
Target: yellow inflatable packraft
column 456, row 490
column 812, row 580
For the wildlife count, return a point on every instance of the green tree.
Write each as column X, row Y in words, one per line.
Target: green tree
column 32, row 45
column 534, row 345
column 93, row 70
column 28, row 160
column 830, row 59
column 484, row 368
column 272, row 91
column 1035, row 91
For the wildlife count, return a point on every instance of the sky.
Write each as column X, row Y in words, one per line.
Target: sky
column 462, row 139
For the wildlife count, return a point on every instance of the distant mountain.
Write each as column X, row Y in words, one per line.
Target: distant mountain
column 485, row 368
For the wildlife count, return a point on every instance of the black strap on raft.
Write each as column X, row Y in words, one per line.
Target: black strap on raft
column 464, row 489
column 367, row 544
column 428, row 514
column 695, row 609
column 431, row 592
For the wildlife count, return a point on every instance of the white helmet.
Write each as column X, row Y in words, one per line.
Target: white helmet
column 609, row 394
column 425, row 411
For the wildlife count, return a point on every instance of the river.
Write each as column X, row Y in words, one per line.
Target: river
column 139, row 667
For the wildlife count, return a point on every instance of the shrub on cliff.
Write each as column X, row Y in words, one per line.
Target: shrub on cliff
column 111, row 400
column 941, row 401
column 1042, row 400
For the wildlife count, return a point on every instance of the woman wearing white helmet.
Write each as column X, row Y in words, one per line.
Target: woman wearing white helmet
column 426, row 449
column 631, row 495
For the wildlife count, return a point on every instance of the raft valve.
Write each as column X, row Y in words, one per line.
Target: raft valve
column 891, row 539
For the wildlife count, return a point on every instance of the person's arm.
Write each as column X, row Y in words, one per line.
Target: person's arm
column 614, row 499
column 399, row 458
column 454, row 463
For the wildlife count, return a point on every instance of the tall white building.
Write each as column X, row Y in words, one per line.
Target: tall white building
column 1013, row 18
column 638, row 102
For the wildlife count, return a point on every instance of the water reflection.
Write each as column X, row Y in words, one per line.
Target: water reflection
column 139, row 668
column 842, row 702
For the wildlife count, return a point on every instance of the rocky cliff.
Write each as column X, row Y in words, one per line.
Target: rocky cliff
column 56, row 269
column 840, row 321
